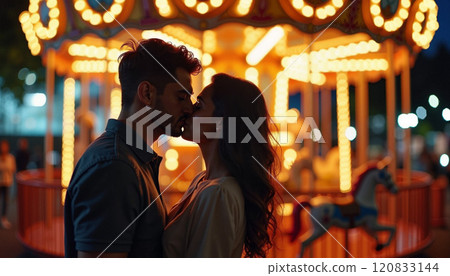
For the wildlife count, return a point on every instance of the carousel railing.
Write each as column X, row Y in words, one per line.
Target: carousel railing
column 41, row 220
column 408, row 211
column 40, row 213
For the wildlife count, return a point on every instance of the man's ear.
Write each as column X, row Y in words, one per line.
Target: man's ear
column 146, row 93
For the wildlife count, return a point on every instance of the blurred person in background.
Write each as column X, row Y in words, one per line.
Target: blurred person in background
column 22, row 155
column 7, row 170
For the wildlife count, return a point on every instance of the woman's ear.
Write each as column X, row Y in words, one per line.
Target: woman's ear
column 146, row 93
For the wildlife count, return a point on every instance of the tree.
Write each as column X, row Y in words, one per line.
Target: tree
column 14, row 52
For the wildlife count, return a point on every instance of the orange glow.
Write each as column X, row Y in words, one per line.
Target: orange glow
column 343, row 121
column 116, row 103
column 68, row 132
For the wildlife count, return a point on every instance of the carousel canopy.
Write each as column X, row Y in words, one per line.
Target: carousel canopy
column 87, row 34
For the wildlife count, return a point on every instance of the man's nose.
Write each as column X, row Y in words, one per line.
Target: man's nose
column 188, row 108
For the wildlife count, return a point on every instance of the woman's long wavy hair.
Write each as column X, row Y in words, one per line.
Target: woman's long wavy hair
column 253, row 163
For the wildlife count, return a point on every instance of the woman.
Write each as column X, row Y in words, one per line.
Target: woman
column 7, row 170
column 228, row 209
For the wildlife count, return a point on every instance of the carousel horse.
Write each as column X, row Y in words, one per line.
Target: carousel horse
column 360, row 210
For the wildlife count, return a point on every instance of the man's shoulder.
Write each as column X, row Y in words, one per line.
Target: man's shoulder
column 108, row 150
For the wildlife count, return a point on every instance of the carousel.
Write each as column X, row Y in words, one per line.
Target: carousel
column 318, row 48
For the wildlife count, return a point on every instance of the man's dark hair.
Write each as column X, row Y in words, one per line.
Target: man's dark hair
column 148, row 60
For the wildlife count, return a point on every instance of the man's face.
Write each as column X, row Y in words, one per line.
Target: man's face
column 176, row 101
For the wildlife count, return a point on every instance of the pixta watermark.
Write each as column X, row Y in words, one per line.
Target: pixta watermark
column 140, row 128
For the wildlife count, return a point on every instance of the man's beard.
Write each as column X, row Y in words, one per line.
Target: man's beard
column 177, row 129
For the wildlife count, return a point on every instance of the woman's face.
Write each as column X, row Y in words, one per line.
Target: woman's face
column 203, row 108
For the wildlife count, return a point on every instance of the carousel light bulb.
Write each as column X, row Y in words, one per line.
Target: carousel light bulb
column 375, row 10
column 172, row 154
column 51, row 3
column 96, row 19
column 80, row 5
column 33, row 8
column 116, row 9
column 113, row 54
column 108, row 17
column 53, row 24
column 307, row 11
column 338, row 3
column 216, row 3
column 406, row 3
column 207, row 75
column 34, row 18
column 24, row 17
column 243, row 7
column 290, row 155
column 321, row 13
column 298, row 4
column 202, row 8
column 171, row 164
column 403, row 14
column 113, row 67
column 54, row 13
column 423, row 6
column 330, row 10
column 206, row 59
column 378, row 21
column 86, row 15
column 190, row 3
column 252, row 74
column 74, row 50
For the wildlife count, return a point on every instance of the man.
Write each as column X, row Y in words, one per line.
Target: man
column 113, row 183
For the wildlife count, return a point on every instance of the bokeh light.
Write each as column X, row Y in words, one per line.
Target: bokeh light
column 350, row 133
column 433, row 100
column 421, row 112
column 444, row 160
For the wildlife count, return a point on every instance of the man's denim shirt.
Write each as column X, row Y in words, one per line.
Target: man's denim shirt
column 113, row 201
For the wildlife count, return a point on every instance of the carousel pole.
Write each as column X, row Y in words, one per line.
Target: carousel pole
column 106, row 95
column 391, row 123
column 325, row 122
column 316, row 109
column 406, row 108
column 343, row 122
column 309, row 112
column 390, row 108
column 362, row 118
column 108, row 84
column 308, row 105
column 84, row 112
column 50, row 87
